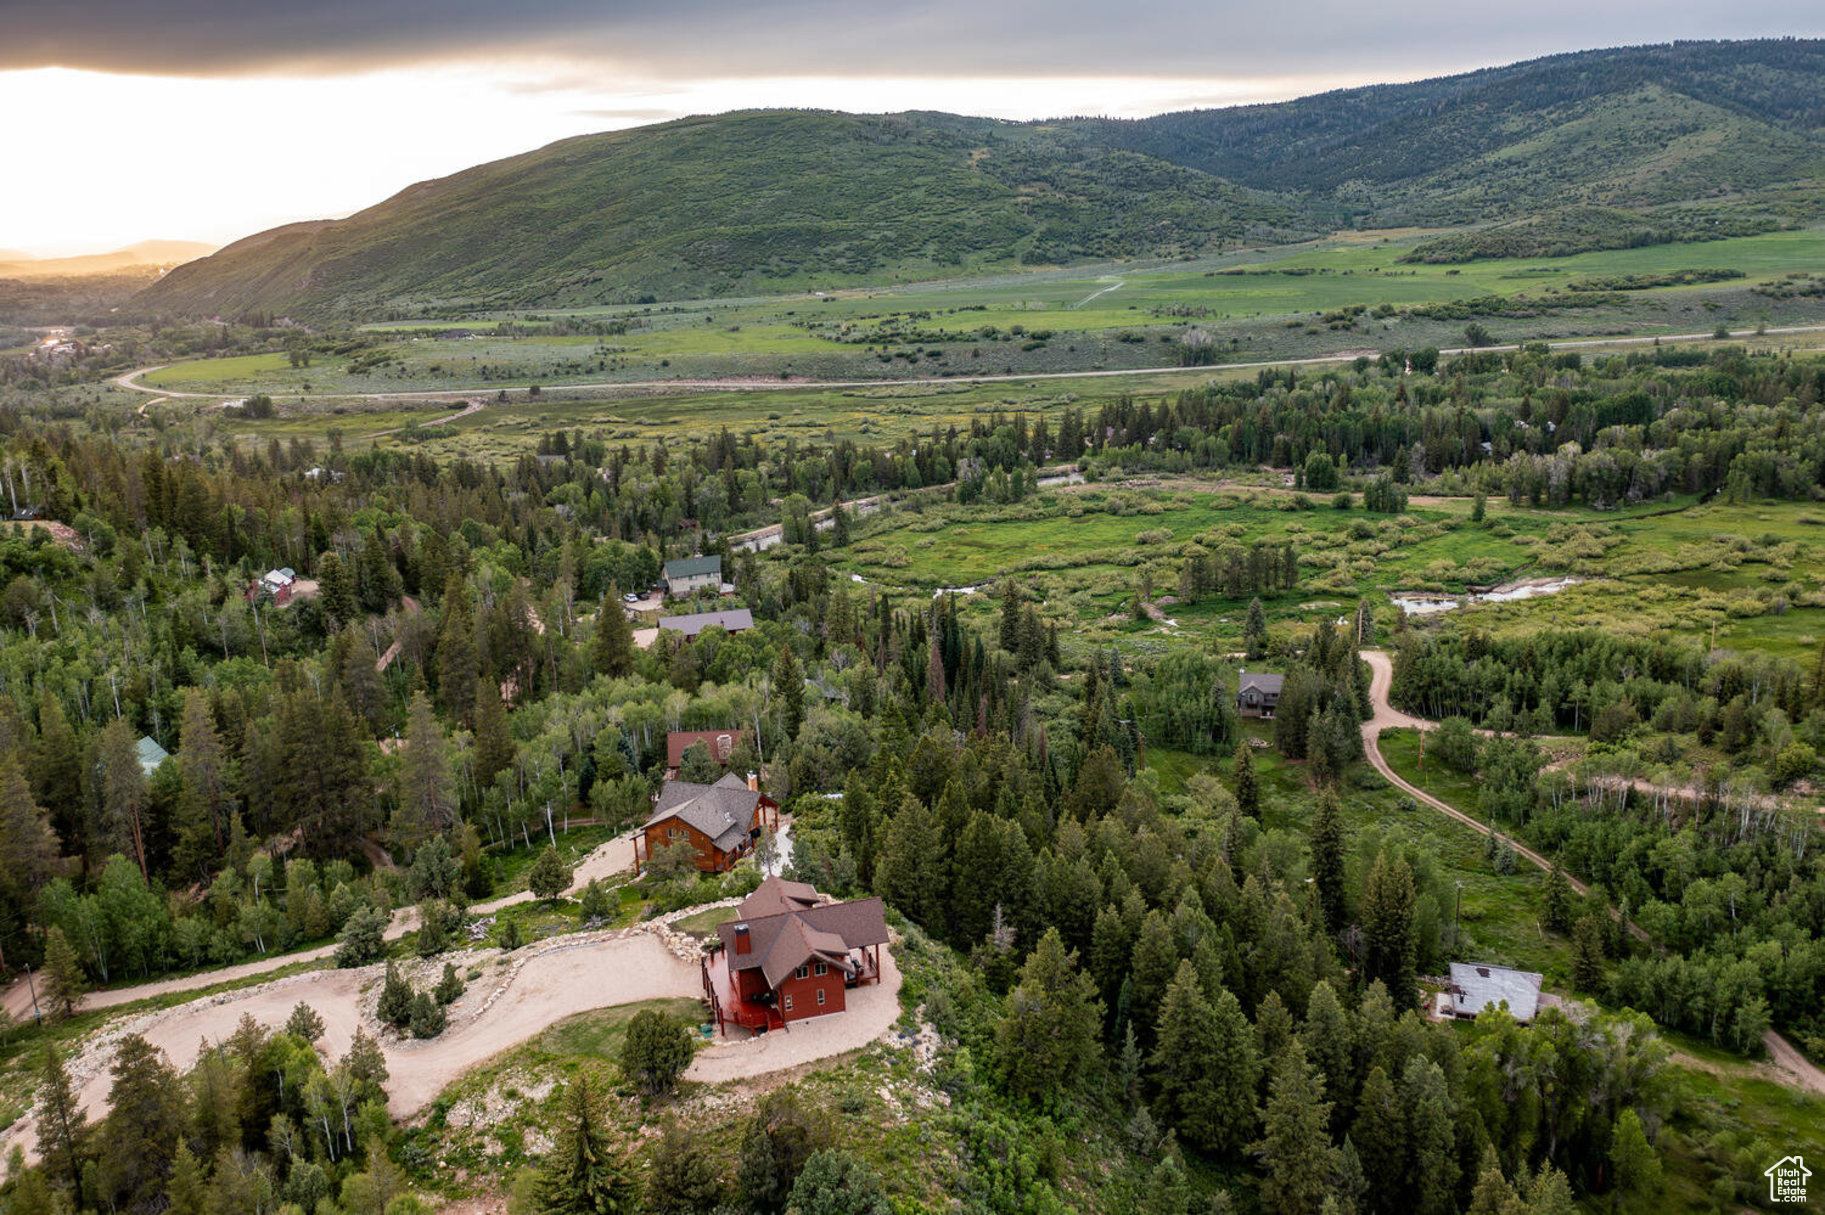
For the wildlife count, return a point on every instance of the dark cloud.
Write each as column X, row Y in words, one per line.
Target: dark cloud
column 692, row 39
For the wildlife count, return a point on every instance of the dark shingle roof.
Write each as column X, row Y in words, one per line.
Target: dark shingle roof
column 731, row 621
column 779, row 944
column 1261, row 681
column 723, row 811
column 776, row 896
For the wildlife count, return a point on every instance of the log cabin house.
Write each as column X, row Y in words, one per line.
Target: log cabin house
column 720, row 821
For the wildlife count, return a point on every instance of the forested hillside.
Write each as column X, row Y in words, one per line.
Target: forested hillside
column 1156, row 958
column 773, row 201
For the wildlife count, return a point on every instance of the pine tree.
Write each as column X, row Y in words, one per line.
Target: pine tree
column 910, row 872
column 28, row 849
column 1168, row 1190
column 1431, row 1138
column 1493, row 1195
column 1205, row 1066
column 123, row 794
column 64, row 982
column 56, row 771
column 655, row 1051
column 495, row 749
column 63, row 1129
column 1294, row 1146
column 362, row 940
column 1050, row 1034
column 1329, row 1034
column 187, row 1192
column 1380, row 1136
column 1388, row 944
column 1254, row 630
column 426, row 789
column 146, row 1119
column 1248, row 785
column 449, row 987
column 789, row 688
column 428, row 1017
column 202, row 761
column 1637, row 1167
column 683, row 1179
column 582, row 1175
column 834, row 1182
column 1557, row 909
column 395, row 1006
column 1328, row 849
column 1587, row 954
column 336, row 590
column 778, row 1141
column 549, row 876
column 304, row 1023
column 611, row 653
column 456, row 662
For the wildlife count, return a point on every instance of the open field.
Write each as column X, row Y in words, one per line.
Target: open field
column 1753, row 571
column 1343, row 294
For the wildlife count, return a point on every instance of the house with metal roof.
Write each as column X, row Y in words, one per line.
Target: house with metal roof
column 689, row 574
column 1476, row 986
column 730, row 622
column 151, row 755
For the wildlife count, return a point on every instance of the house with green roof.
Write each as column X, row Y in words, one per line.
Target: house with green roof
column 151, row 755
column 689, row 574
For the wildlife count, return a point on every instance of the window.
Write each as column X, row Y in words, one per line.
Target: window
column 820, row 997
column 802, row 972
column 788, row 1001
column 676, row 833
column 821, row 969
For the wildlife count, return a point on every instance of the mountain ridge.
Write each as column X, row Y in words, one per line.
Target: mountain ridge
column 765, row 201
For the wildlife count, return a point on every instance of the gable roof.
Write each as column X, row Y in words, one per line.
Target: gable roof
column 151, row 755
column 780, row 944
column 723, row 811
column 1261, row 681
column 1478, row 987
column 731, row 621
column 693, row 567
column 776, row 895
column 677, row 741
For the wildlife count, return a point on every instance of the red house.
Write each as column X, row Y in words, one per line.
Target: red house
column 791, row 954
column 721, row 821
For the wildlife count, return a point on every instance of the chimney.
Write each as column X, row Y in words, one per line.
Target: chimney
column 741, row 939
column 753, row 782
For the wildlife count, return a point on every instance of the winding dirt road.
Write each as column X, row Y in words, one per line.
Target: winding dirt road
column 614, row 857
column 1790, row 1066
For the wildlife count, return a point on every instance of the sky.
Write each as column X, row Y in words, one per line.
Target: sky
column 210, row 120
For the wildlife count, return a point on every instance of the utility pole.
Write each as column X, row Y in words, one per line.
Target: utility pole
column 33, row 988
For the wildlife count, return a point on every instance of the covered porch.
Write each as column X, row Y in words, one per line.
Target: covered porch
column 759, row 1013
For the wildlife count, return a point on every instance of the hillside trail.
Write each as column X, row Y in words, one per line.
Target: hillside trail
column 130, row 380
column 609, row 859
column 1789, row 1065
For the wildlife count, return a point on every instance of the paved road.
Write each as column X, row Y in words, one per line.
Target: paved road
column 1792, row 1066
column 131, row 379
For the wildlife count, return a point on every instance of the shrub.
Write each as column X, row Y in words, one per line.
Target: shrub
column 656, row 1051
